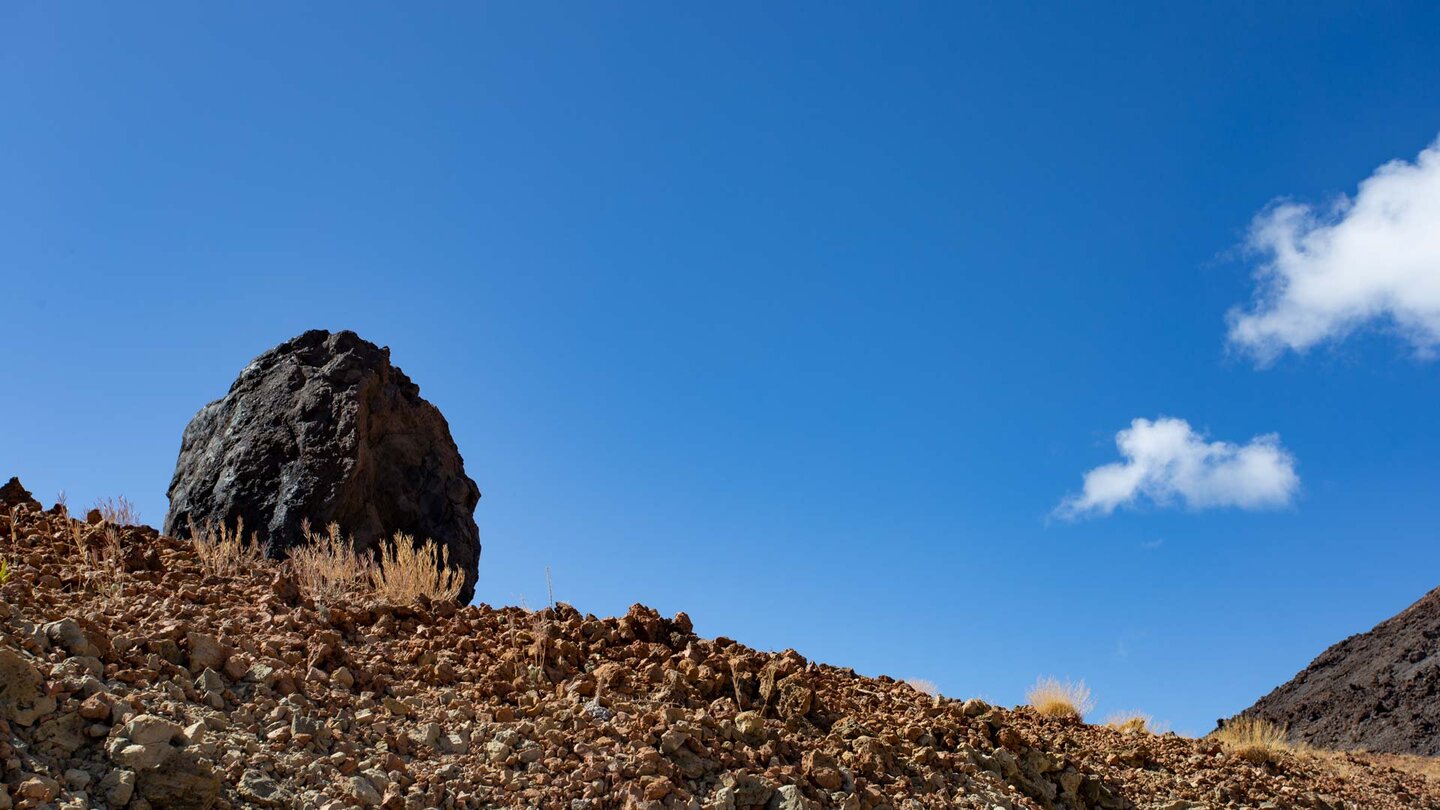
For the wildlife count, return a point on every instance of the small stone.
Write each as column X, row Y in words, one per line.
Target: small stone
column 596, row 711
column 236, row 667
column 67, row 635
column 210, row 681
column 261, row 790
column 21, row 700
column 363, row 792
column 96, row 707
column 118, row 786
column 148, row 728
column 750, row 724
column 789, row 797
column 144, row 757
column 206, row 652
column 39, row 789
column 426, row 734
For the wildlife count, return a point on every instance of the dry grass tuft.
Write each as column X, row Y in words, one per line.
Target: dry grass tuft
column 118, row 511
column 1050, row 697
column 1428, row 767
column 226, row 553
column 409, row 570
column 923, row 686
column 1131, row 723
column 98, row 559
column 1253, row 739
column 327, row 567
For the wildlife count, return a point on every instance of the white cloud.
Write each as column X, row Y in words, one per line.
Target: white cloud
column 1167, row 462
column 1370, row 260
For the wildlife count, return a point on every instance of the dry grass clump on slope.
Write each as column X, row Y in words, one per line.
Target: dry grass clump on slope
column 225, row 553
column 329, row 569
column 1253, row 739
column 1051, row 697
column 408, row 571
column 1131, row 723
column 118, row 511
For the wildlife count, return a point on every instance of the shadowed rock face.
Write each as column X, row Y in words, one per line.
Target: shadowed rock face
column 324, row 428
column 1373, row 691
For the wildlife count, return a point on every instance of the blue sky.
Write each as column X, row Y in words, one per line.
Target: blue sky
column 803, row 319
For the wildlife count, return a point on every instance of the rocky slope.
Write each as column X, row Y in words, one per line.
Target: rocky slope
column 1374, row 691
column 131, row 678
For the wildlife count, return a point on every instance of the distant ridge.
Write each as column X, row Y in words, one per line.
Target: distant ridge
column 1378, row 691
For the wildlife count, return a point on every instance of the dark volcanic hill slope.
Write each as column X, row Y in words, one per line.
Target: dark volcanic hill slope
column 1378, row 691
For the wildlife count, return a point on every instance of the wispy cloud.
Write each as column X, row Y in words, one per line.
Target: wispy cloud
column 1168, row 463
column 1370, row 260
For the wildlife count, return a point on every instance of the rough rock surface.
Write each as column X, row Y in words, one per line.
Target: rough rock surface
column 1375, row 691
column 14, row 494
column 324, row 428
column 161, row 686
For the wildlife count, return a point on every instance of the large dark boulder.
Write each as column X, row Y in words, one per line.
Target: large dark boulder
column 15, row 494
column 324, row 428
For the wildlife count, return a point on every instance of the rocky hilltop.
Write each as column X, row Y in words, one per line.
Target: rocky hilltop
column 131, row 675
column 1376, row 691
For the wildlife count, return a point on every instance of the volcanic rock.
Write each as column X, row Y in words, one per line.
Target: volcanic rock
column 1374, row 691
column 21, row 700
column 324, row 429
column 14, row 494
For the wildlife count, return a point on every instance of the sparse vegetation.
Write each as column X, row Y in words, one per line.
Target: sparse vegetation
column 327, row 567
column 923, row 686
column 1253, row 739
column 97, row 554
column 118, row 511
column 225, row 553
column 4, row 571
column 409, row 570
column 1131, row 723
column 1051, row 697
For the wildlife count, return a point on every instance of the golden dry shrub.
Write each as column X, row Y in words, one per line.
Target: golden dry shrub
column 409, row 570
column 98, row 558
column 327, row 568
column 118, row 511
column 1130, row 722
column 923, row 685
column 225, row 553
column 1253, row 739
column 1051, row 697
